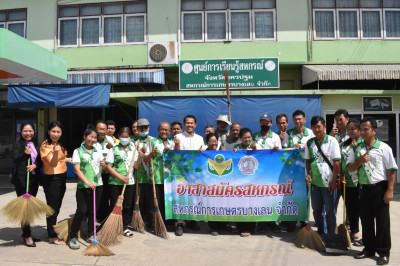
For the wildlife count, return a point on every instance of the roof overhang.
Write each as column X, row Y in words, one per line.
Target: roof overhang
column 22, row 61
column 312, row 73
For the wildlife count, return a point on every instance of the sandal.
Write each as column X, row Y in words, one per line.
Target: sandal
column 245, row 234
column 357, row 241
column 128, row 233
column 57, row 241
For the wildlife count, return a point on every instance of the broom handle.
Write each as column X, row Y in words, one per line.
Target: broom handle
column 94, row 213
column 27, row 177
column 228, row 95
column 344, row 199
column 154, row 185
column 129, row 169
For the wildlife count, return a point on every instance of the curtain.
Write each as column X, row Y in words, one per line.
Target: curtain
column 392, row 20
column 112, row 30
column 348, row 24
column 371, row 24
column 324, row 24
column 68, row 32
column 17, row 28
column 135, row 29
column 240, row 25
column 192, row 26
column 216, row 26
column 90, row 31
column 264, row 25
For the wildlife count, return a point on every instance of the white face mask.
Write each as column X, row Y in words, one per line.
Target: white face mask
column 124, row 141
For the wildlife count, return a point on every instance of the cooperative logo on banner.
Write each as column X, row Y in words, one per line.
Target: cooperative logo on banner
column 248, row 165
column 219, row 166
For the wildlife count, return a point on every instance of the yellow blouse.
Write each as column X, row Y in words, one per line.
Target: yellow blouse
column 46, row 153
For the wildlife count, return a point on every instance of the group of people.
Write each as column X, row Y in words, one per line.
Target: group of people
column 350, row 153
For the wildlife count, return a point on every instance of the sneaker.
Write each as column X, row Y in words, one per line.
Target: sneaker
column 179, row 230
column 128, row 233
column 73, row 244
column 90, row 239
column 214, row 232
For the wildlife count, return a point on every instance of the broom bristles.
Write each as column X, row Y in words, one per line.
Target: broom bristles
column 343, row 231
column 137, row 220
column 63, row 229
column 97, row 250
column 159, row 226
column 25, row 210
column 112, row 230
column 307, row 238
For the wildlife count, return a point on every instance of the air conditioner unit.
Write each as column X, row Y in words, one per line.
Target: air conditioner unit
column 162, row 53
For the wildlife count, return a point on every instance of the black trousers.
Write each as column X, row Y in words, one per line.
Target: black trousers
column 352, row 208
column 373, row 208
column 54, row 189
column 33, row 189
column 104, row 208
column 84, row 206
column 146, row 202
column 115, row 191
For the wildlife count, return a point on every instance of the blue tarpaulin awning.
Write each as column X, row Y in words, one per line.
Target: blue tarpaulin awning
column 59, row 96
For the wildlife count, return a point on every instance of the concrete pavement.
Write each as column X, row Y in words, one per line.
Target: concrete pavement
column 193, row 248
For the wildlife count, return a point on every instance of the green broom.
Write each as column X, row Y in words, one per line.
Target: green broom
column 306, row 237
column 96, row 248
column 113, row 228
column 26, row 208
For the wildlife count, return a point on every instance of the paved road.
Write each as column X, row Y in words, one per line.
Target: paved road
column 193, row 248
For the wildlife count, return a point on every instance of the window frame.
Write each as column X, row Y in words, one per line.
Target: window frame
column 17, row 22
column 144, row 27
column 357, row 10
column 81, row 31
column 334, row 25
column 380, row 19
column 4, row 25
column 254, row 24
column 183, row 26
column 103, row 28
column 384, row 21
column 250, row 25
column 205, row 28
column 77, row 31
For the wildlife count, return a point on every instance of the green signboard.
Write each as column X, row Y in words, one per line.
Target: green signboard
column 247, row 73
column 377, row 104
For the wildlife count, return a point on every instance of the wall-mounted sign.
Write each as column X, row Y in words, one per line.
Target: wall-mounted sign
column 377, row 103
column 244, row 73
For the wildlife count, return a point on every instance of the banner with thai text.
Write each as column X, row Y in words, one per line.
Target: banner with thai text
column 261, row 185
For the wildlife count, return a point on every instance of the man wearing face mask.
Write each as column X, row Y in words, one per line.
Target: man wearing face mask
column 267, row 140
column 145, row 188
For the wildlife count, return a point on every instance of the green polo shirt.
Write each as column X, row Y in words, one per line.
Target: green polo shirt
column 89, row 164
column 321, row 173
column 120, row 160
column 158, row 161
column 240, row 147
column 381, row 160
column 351, row 177
column 143, row 174
column 294, row 137
column 343, row 138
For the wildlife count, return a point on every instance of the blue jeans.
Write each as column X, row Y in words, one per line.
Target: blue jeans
column 324, row 209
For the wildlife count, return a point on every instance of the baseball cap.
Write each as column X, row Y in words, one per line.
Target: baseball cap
column 143, row 122
column 267, row 117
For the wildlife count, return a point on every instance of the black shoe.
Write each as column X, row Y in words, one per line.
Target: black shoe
column 363, row 255
column 193, row 225
column 179, row 230
column 383, row 260
column 32, row 245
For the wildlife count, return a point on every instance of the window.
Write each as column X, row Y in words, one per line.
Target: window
column 355, row 19
column 227, row 20
column 14, row 20
column 102, row 24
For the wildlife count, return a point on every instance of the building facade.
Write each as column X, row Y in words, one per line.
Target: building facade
column 344, row 52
